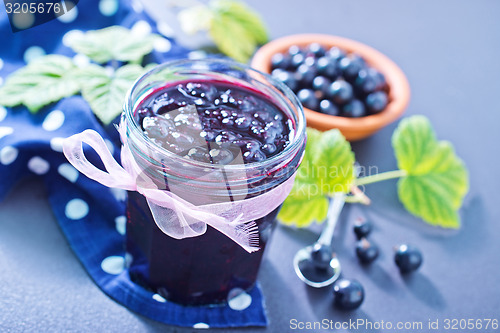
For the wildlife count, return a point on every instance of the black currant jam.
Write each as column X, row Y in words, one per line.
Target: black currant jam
column 192, row 271
column 216, row 122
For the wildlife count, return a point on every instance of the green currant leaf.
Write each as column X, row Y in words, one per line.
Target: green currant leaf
column 327, row 167
column 43, row 81
column 244, row 15
column 333, row 163
column 113, row 43
column 105, row 90
column 436, row 180
column 236, row 29
column 195, row 18
column 231, row 38
column 301, row 211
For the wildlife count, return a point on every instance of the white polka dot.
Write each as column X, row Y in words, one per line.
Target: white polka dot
column 23, row 20
column 1, row 63
column 70, row 15
column 38, row 165
column 197, row 55
column 56, row 144
column 8, row 155
column 165, row 29
column 162, row 45
column 108, row 7
column 113, row 265
column 121, row 224
column 137, row 6
column 32, row 53
column 3, row 113
column 159, row 298
column 141, row 28
column 238, row 299
column 4, row 131
column 76, row 209
column 201, row 326
column 68, row 171
column 53, row 121
column 81, row 60
column 118, row 193
column 71, row 36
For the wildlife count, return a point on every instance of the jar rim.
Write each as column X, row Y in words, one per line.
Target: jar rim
column 290, row 150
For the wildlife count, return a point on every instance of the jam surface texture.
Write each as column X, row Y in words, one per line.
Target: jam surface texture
column 214, row 122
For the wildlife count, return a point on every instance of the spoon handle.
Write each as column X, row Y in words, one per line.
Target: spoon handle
column 334, row 209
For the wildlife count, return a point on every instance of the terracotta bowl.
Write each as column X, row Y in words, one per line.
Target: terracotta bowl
column 352, row 128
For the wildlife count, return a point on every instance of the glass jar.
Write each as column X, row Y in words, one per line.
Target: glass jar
column 203, row 269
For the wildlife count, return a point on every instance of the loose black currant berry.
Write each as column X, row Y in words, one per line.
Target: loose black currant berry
column 321, row 256
column 348, row 294
column 362, row 228
column 366, row 251
column 408, row 258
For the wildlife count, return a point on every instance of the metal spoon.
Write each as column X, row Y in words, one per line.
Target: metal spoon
column 316, row 264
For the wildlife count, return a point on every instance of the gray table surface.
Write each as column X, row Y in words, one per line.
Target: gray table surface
column 450, row 52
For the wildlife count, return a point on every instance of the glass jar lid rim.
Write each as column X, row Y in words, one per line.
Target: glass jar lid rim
column 290, row 150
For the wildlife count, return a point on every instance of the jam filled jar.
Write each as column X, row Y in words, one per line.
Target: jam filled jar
column 209, row 131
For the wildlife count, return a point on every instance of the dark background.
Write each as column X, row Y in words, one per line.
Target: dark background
column 450, row 52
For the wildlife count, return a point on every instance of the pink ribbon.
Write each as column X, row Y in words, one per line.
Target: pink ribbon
column 175, row 216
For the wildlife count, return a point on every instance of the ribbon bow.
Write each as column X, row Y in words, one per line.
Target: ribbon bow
column 175, row 216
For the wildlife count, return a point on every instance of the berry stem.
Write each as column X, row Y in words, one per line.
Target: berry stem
column 380, row 177
column 353, row 199
column 357, row 197
column 360, row 195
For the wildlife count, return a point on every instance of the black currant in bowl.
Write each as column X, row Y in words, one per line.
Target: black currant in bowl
column 328, row 107
column 308, row 98
column 376, row 81
column 344, row 79
column 376, row 102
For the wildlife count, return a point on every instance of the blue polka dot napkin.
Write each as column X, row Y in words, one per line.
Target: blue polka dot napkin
column 90, row 215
